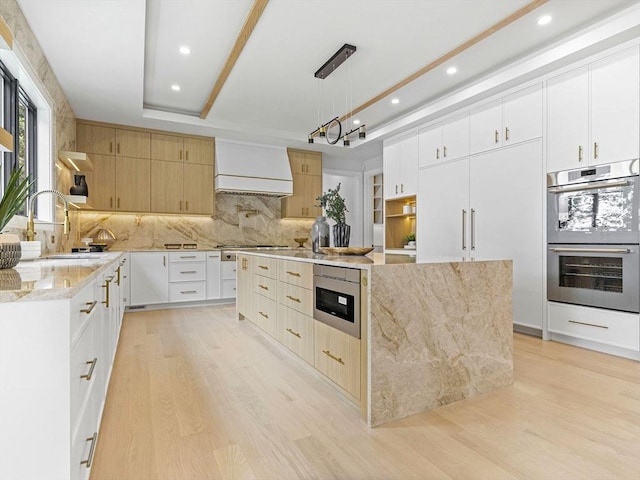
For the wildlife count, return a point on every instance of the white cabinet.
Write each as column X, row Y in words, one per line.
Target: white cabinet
column 228, row 279
column 513, row 119
column 400, row 158
column 213, row 275
column 593, row 113
column 149, row 278
column 445, row 141
column 187, row 276
column 489, row 207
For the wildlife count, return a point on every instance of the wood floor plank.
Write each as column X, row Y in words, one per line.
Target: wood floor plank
column 197, row 394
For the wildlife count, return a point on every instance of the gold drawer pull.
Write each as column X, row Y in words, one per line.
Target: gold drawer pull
column 89, row 459
column 88, row 376
column 264, row 314
column 293, row 333
column 263, row 267
column 90, row 308
column 293, row 299
column 328, row 354
column 589, row 324
column 263, row 287
column 295, row 274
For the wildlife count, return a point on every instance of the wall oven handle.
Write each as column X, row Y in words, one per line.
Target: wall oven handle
column 589, row 250
column 590, row 186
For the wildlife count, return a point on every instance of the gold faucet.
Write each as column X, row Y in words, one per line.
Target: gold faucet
column 31, row 230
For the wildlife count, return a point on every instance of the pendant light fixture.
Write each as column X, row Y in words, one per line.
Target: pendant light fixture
column 331, row 131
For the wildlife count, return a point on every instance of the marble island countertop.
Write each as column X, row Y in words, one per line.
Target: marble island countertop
column 49, row 278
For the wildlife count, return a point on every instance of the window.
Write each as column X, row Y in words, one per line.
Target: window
column 19, row 117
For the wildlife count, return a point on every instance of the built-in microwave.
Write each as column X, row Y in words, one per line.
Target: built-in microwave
column 336, row 298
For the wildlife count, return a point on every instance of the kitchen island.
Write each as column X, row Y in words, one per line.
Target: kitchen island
column 431, row 333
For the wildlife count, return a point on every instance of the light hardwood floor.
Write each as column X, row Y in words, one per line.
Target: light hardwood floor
column 196, row 394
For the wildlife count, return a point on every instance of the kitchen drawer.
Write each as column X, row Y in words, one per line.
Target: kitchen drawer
column 618, row 329
column 298, row 298
column 85, row 359
column 296, row 273
column 228, row 270
column 337, row 355
column 265, row 315
column 295, row 331
column 187, row 272
column 187, row 291
column 267, row 267
column 84, row 440
column 187, row 256
column 83, row 306
column 228, row 288
column 265, row 286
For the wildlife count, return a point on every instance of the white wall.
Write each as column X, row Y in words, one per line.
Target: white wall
column 351, row 191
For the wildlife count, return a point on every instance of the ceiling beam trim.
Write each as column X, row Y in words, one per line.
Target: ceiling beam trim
column 449, row 55
column 243, row 37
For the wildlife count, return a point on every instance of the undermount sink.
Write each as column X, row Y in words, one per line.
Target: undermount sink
column 75, row 255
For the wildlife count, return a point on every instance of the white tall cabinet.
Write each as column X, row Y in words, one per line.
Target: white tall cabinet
column 401, row 166
column 485, row 207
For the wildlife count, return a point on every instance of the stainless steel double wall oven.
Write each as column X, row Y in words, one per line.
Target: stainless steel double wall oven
column 593, row 236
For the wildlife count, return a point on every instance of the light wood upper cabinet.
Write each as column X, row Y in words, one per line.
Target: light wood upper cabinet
column 133, row 184
column 198, row 189
column 95, row 139
column 199, row 150
column 306, row 168
column 166, row 147
column 166, row 187
column 131, row 143
column 101, row 182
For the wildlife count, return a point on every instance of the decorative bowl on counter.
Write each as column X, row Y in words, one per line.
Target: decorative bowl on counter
column 346, row 250
column 301, row 241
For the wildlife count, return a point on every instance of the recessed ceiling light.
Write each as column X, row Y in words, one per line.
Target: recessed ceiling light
column 175, row 88
column 356, row 122
column 185, row 50
column 451, row 70
column 395, row 101
column 544, row 20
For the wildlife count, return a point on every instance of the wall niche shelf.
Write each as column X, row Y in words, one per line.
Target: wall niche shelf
column 398, row 224
column 76, row 161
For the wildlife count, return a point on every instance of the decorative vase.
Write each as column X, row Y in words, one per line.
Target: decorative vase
column 341, row 235
column 10, row 250
column 319, row 234
column 80, row 187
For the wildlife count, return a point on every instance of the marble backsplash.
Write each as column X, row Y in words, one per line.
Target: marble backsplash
column 248, row 220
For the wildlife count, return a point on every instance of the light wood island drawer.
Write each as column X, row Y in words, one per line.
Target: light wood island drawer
column 265, row 315
column 337, row 355
column 267, row 267
column 265, row 286
column 296, row 273
column 298, row 298
column 295, row 331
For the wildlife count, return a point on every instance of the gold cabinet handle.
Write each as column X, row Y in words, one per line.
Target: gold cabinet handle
column 89, row 459
column 186, row 205
column 263, row 267
column 293, row 333
column 118, row 148
column 91, row 305
column 506, row 134
column 180, row 205
column 579, row 153
column 118, row 206
column 437, row 154
column 186, row 155
column 264, row 287
column 110, row 147
column 495, row 137
column 87, row 376
column 180, row 157
column 106, row 287
column 328, row 354
column 295, row 274
column 118, row 275
column 264, row 314
column 595, row 150
column 444, row 151
column 110, row 202
column 293, row 299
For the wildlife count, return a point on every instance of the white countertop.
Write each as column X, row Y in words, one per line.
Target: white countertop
column 51, row 279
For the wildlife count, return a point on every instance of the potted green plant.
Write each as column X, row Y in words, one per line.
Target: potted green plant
column 14, row 197
column 410, row 240
column 336, row 209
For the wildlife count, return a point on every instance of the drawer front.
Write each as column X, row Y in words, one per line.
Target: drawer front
column 265, row 286
column 296, row 273
column 228, row 270
column 266, row 315
column 295, row 331
column 187, row 256
column 228, row 288
column 267, row 267
column 83, row 306
column 337, row 355
column 187, row 291
column 187, row 272
column 618, row 329
column 84, row 444
column 298, row 298
column 86, row 363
